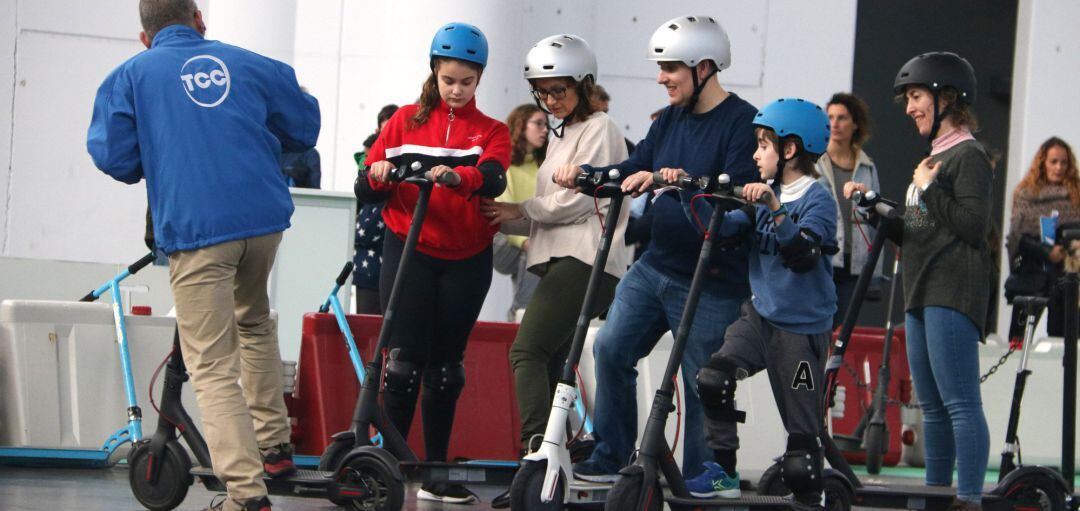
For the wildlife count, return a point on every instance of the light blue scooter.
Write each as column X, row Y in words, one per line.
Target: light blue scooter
column 131, row 432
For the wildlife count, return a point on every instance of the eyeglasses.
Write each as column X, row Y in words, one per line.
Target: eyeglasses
column 539, row 123
column 555, row 92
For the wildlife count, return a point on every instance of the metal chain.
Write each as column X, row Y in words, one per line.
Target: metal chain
column 1000, row 362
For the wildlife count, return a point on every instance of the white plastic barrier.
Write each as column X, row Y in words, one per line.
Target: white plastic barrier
column 761, row 438
column 60, row 376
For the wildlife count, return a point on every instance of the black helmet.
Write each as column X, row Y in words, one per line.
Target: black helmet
column 938, row 69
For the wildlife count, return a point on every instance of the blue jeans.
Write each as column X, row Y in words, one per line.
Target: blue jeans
column 943, row 352
column 647, row 304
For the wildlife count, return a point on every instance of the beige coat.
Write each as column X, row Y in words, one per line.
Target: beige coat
column 562, row 223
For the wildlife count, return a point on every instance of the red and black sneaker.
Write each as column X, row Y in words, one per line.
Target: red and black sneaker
column 278, row 462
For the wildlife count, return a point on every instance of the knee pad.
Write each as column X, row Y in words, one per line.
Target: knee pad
column 402, row 376
column 716, row 387
column 444, row 379
column 801, row 465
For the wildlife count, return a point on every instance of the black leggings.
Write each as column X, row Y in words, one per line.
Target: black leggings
column 439, row 303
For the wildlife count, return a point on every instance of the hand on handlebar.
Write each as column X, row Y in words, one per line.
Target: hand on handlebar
column 638, row 183
column 444, row 175
column 851, row 187
column 760, row 193
column 566, row 176
column 380, row 171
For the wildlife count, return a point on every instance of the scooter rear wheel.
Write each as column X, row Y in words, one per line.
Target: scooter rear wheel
column 529, row 484
column 174, row 477
column 1036, row 491
column 875, row 447
column 626, row 493
column 838, row 496
column 384, row 491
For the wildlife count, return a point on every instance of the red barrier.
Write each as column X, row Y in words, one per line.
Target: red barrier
column 487, row 425
column 864, row 351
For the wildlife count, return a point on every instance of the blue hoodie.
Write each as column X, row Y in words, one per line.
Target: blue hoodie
column 802, row 303
column 205, row 124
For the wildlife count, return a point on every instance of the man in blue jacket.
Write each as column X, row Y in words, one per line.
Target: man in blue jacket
column 205, row 124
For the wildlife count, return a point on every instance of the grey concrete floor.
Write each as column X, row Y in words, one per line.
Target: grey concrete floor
column 34, row 489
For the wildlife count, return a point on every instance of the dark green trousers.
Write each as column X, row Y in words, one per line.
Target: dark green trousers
column 543, row 340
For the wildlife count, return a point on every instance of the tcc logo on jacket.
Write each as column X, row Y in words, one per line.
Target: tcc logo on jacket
column 205, row 79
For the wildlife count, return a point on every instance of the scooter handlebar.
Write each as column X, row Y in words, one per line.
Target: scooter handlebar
column 450, row 179
column 344, row 275
column 872, row 200
column 141, row 263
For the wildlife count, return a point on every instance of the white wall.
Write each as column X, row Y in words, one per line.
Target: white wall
column 1044, row 104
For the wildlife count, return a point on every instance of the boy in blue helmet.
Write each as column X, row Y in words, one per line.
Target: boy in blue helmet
column 784, row 329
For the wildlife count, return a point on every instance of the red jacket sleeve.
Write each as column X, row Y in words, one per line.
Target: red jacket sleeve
column 496, row 149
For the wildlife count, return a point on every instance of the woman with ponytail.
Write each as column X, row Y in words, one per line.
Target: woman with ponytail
column 449, row 276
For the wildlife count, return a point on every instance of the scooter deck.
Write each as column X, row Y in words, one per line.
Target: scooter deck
column 303, row 483
column 923, row 498
column 491, row 472
column 586, row 494
column 746, row 502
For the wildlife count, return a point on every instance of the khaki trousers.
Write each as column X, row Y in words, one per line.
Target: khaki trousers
column 226, row 335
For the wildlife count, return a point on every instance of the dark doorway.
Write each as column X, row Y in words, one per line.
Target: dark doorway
column 887, row 35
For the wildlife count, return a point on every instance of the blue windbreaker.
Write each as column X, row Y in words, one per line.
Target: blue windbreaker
column 205, row 124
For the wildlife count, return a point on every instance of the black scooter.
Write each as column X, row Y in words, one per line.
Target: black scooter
column 1024, row 488
column 638, row 486
column 542, row 482
column 161, row 470
column 368, row 415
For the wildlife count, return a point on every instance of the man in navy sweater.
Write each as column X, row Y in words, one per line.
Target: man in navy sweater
column 205, row 123
column 704, row 132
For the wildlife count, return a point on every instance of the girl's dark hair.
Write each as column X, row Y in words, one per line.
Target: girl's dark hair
column 518, row 121
column 860, row 115
column 586, row 91
column 385, row 113
column 804, row 161
column 429, row 94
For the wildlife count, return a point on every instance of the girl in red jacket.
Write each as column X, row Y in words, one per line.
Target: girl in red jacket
column 449, row 278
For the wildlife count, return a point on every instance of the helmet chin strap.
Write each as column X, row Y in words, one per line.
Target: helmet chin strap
column 936, row 126
column 698, row 86
column 559, row 130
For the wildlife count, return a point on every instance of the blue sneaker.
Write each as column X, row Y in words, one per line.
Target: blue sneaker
column 590, row 470
column 714, row 482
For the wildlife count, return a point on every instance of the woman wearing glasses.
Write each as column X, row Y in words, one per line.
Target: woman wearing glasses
column 528, row 134
column 563, row 226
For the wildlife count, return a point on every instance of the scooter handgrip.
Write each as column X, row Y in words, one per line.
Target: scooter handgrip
column 886, row 210
column 344, row 275
column 89, row 297
column 141, row 263
column 450, row 179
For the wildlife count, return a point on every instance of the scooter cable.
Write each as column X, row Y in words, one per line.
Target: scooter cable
column 153, row 378
column 678, row 412
column 584, row 404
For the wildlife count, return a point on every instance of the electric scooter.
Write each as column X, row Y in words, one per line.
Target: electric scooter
column 368, row 415
column 638, row 486
column 130, row 432
column 543, row 482
column 876, row 436
column 1025, row 488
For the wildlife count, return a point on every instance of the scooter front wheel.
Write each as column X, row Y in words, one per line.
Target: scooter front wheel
column 382, row 488
column 626, row 494
column 838, row 497
column 331, row 459
column 875, row 447
column 1036, row 492
column 174, row 476
column 528, row 485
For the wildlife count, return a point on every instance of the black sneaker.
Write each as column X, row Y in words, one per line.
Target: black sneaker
column 259, row 504
column 502, row 501
column 447, row 493
column 277, row 461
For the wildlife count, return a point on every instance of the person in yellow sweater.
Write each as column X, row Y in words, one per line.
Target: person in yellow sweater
column 528, row 134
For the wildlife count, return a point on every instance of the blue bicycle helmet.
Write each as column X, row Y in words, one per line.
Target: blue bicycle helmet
column 460, row 41
column 794, row 116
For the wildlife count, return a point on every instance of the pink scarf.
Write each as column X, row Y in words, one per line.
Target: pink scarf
column 950, row 139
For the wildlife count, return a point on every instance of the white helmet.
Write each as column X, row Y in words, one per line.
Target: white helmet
column 691, row 39
column 560, row 55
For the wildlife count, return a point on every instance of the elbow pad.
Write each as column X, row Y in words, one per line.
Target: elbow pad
column 804, row 252
column 494, row 179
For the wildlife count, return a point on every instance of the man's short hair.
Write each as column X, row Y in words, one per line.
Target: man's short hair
column 158, row 14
